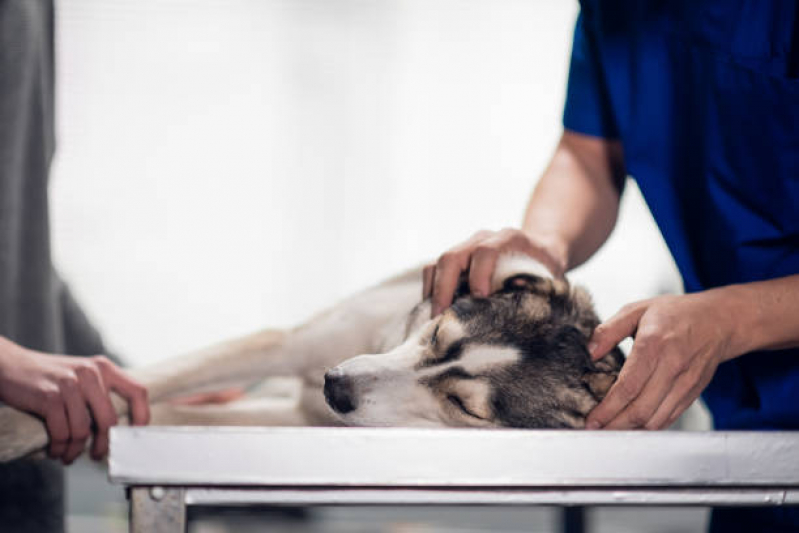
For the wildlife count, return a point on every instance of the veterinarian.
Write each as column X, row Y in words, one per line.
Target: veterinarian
column 699, row 103
column 39, row 318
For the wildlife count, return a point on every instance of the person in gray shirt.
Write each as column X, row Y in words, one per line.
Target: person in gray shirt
column 39, row 318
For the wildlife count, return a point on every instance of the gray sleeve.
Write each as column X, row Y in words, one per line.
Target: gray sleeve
column 80, row 336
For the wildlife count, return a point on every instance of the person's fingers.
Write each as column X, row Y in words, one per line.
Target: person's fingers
column 641, row 410
column 447, row 270
column 686, row 391
column 617, row 328
column 446, row 278
column 481, row 267
column 73, row 451
column 633, row 377
column 427, row 281
column 682, row 407
column 135, row 394
column 681, row 388
column 77, row 416
column 100, row 444
column 102, row 410
column 57, row 427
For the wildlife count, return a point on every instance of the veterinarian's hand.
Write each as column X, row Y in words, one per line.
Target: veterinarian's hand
column 478, row 255
column 69, row 393
column 679, row 342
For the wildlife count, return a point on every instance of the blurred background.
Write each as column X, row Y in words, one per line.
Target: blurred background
column 225, row 165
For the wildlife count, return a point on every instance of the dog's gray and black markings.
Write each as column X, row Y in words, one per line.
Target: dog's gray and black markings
column 552, row 383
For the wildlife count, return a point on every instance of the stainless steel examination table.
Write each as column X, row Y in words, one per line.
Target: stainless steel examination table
column 167, row 469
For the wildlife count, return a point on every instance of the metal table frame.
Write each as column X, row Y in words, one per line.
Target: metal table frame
column 170, row 468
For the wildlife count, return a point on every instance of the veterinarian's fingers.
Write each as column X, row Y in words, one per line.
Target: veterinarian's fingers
column 481, row 267
column 427, row 281
column 446, row 278
column 641, row 410
column 676, row 396
column 633, row 377
column 685, row 391
column 609, row 334
column 681, row 408
column 102, row 410
column 57, row 429
column 448, row 269
column 132, row 391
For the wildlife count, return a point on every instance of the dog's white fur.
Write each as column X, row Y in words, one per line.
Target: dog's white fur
column 374, row 321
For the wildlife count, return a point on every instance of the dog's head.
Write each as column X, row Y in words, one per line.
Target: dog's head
column 515, row 359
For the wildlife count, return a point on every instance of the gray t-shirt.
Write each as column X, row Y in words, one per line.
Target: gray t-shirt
column 36, row 307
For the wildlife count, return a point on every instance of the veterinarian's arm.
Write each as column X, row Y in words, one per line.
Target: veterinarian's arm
column 679, row 342
column 576, row 201
column 69, row 393
column 570, row 214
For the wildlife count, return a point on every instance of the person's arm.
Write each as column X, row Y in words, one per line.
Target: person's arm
column 679, row 342
column 570, row 214
column 68, row 393
column 576, row 202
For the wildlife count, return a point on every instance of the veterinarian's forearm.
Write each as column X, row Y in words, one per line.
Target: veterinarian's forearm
column 767, row 314
column 574, row 206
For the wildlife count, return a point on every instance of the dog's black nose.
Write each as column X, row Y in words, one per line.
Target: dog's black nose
column 338, row 391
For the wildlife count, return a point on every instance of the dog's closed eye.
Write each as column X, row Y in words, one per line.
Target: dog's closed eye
column 434, row 338
column 457, row 402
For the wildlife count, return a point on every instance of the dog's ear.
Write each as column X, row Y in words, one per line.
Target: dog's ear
column 547, row 286
column 516, row 271
column 521, row 282
column 599, row 383
column 603, row 373
column 582, row 310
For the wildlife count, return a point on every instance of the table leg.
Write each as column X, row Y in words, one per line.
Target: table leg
column 573, row 520
column 157, row 510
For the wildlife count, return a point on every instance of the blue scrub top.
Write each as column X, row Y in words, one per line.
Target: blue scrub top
column 704, row 96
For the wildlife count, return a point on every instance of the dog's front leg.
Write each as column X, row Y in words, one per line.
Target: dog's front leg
column 237, row 362
column 245, row 412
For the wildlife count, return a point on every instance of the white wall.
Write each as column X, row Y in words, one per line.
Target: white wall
column 229, row 164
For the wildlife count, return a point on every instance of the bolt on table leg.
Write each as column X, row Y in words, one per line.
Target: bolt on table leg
column 157, row 510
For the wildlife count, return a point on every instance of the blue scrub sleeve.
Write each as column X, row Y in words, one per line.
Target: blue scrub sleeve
column 587, row 108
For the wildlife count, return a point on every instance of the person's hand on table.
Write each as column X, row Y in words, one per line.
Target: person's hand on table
column 478, row 255
column 678, row 343
column 71, row 394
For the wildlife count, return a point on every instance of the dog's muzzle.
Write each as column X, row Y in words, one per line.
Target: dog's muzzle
column 339, row 391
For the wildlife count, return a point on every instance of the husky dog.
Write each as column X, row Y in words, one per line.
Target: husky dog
column 515, row 359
